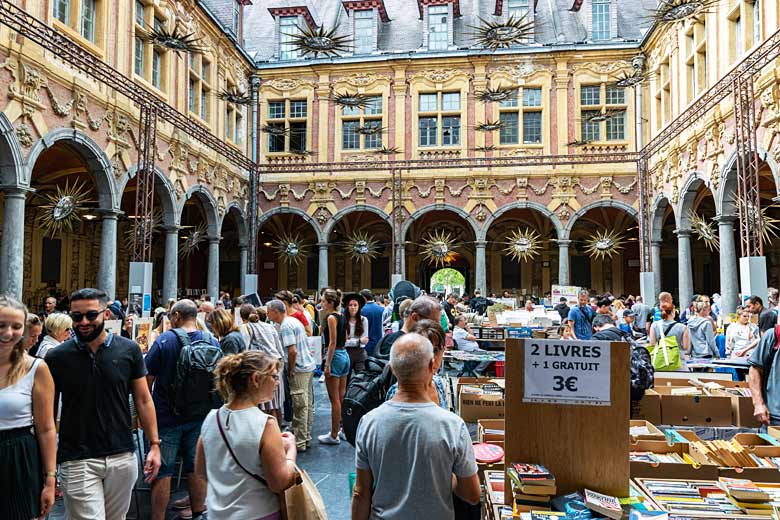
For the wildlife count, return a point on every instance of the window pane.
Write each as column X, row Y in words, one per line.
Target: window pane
column 429, row 103
column 139, row 56
column 350, row 111
column 88, row 19
column 509, row 132
column 297, row 108
column 191, row 95
column 616, row 96
column 438, row 34
column 509, row 102
column 204, row 107
column 428, row 131
column 373, row 140
column 364, row 31
column 600, row 20
column 236, row 16
column 288, row 28
column 228, row 133
column 139, row 13
column 298, row 137
column 590, row 95
column 374, row 106
column 450, row 101
column 350, row 139
column 517, row 8
column 450, row 130
column 616, row 127
column 532, row 127
column 192, row 62
column 62, row 11
column 590, row 131
column 532, row 97
column 158, row 24
column 276, row 110
column 756, row 21
column 276, row 142
column 156, row 64
column 239, row 130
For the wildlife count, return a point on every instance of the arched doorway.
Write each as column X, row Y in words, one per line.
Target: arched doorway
column 447, row 281
column 664, row 247
column 232, row 251
column 198, row 230
column 347, row 236
column 697, row 213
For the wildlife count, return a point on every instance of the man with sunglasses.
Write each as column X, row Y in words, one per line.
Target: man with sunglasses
column 95, row 373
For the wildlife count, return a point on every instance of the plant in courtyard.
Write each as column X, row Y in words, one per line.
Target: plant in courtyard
column 63, row 208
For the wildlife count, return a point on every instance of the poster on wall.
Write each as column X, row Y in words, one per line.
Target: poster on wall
column 569, row 292
column 142, row 329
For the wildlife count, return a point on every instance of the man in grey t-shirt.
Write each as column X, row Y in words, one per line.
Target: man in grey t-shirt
column 408, row 449
column 764, row 380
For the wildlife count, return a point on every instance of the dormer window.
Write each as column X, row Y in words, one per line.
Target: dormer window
column 289, row 22
column 438, row 27
column 366, row 15
column 516, row 9
column 601, row 20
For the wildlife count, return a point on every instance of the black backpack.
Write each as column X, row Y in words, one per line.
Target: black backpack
column 193, row 394
column 366, row 391
column 642, row 369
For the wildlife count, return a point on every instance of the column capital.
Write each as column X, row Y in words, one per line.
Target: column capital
column 170, row 228
column 481, row 243
column 15, row 190
column 657, row 243
column 109, row 214
column 322, row 245
column 684, row 233
column 564, row 243
column 726, row 219
column 213, row 239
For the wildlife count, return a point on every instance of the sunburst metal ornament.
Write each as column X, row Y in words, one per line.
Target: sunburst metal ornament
column 770, row 226
column 671, row 11
column 489, row 126
column 705, row 231
column 600, row 117
column 627, row 80
column 319, row 41
column 523, row 244
column 235, row 97
column 350, row 100
column 174, row 40
column 438, row 248
column 500, row 35
column 275, row 130
column 494, row 95
column 604, row 244
column 584, row 142
column 361, row 247
column 193, row 241
column 369, row 128
column 290, row 249
column 135, row 229
column 63, row 208
column 392, row 150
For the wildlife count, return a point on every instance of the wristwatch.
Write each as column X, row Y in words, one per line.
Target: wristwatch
column 152, row 443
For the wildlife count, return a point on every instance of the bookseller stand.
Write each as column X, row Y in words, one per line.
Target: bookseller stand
column 583, row 446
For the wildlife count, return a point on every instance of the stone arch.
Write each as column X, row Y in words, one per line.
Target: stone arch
column 726, row 195
column 209, row 206
column 539, row 208
column 352, row 209
column 98, row 163
column 241, row 221
column 438, row 207
column 11, row 155
column 688, row 198
column 657, row 216
column 164, row 192
column 598, row 204
column 263, row 218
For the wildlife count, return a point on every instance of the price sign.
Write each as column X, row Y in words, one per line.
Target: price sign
column 567, row 372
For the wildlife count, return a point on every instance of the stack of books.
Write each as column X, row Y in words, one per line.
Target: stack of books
column 532, row 487
column 744, row 494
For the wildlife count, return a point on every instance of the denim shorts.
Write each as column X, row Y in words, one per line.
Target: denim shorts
column 183, row 437
column 339, row 365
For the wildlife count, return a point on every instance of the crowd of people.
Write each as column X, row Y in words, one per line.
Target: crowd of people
column 228, row 388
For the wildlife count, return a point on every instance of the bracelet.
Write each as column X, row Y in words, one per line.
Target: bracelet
column 51, row 474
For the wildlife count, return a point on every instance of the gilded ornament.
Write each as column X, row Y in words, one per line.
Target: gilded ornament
column 361, row 247
column 437, row 248
column 290, row 249
column 193, row 241
column 604, row 244
column 523, row 244
column 63, row 208
column 500, row 35
column 705, row 231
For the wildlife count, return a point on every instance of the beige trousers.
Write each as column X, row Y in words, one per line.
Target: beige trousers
column 98, row 488
column 302, row 395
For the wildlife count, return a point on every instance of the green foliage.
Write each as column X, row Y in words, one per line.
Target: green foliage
column 449, row 277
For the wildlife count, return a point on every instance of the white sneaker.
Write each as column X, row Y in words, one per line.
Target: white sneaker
column 342, row 436
column 327, row 439
column 322, row 378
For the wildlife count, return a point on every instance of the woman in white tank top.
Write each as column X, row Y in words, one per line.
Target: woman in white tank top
column 241, row 453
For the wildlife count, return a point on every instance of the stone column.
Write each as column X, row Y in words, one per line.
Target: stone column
column 402, row 256
column 107, row 267
column 655, row 259
column 322, row 268
column 729, row 283
column 563, row 262
column 481, row 269
column 243, row 252
column 684, row 266
column 12, row 247
column 171, row 264
column 212, row 283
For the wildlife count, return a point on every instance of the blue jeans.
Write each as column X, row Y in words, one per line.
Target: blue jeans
column 183, row 437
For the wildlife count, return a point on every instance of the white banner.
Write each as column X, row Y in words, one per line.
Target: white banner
column 567, row 372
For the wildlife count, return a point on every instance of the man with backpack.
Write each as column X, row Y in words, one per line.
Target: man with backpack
column 764, row 378
column 180, row 365
column 580, row 317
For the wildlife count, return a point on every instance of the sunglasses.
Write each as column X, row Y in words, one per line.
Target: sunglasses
column 91, row 315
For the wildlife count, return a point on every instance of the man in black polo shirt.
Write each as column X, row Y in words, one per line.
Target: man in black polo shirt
column 95, row 373
column 767, row 318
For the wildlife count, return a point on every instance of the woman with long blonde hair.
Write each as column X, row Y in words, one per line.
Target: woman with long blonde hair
column 28, row 468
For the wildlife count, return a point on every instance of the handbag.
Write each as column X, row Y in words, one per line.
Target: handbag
column 301, row 501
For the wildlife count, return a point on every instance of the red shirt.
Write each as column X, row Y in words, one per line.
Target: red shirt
column 300, row 316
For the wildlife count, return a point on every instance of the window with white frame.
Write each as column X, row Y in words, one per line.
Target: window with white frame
column 81, row 16
column 757, row 31
column 600, row 19
column 149, row 61
column 199, row 87
column 438, row 27
column 439, row 119
column 62, row 11
column 517, row 9
column 288, row 117
column 233, row 119
column 521, row 117
column 236, row 17
column 288, row 28
column 602, row 113
column 354, row 119
column 695, row 59
column 364, row 40
column 663, row 95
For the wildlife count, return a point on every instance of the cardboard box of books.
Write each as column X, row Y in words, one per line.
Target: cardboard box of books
column 480, row 398
column 491, row 431
column 741, row 406
column 644, row 430
column 657, row 459
column 648, row 408
column 737, row 460
column 685, row 405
